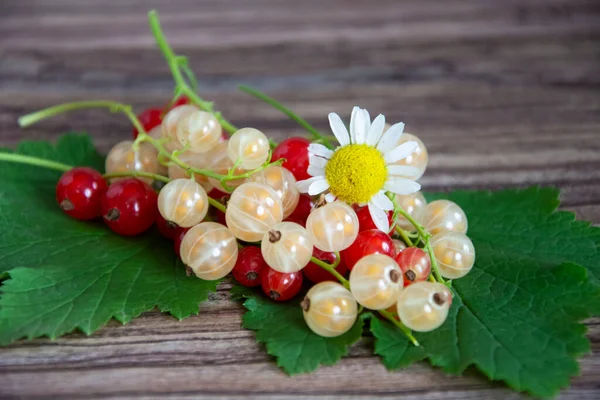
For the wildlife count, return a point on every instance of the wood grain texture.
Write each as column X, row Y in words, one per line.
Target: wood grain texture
column 504, row 94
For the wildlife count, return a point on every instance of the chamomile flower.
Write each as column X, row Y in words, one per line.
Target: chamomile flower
column 364, row 167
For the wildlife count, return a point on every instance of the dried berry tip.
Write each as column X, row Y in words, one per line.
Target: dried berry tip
column 395, row 276
column 66, row 205
column 172, row 225
column 410, row 275
column 305, row 304
column 252, row 276
column 274, row 236
column 274, row 295
column 440, row 298
column 189, row 271
column 321, row 202
column 112, row 215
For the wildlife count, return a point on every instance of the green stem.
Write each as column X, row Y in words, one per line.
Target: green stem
column 331, row 269
column 175, row 66
column 292, row 115
column 38, row 162
column 389, row 316
column 404, row 236
column 216, row 204
column 113, row 106
column 137, row 174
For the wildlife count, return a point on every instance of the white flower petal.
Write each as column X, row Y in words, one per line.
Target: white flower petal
column 339, row 129
column 317, row 161
column 355, row 112
column 320, row 150
column 401, row 186
column 330, row 197
column 402, row 170
column 303, row 186
column 361, row 126
column 376, row 130
column 318, row 187
column 391, row 138
column 315, row 170
column 379, row 218
column 380, row 200
column 400, row 152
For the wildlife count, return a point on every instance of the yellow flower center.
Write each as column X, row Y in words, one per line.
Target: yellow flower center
column 355, row 173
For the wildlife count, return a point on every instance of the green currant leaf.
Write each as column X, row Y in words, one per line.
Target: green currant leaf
column 394, row 347
column 516, row 316
column 281, row 327
column 67, row 274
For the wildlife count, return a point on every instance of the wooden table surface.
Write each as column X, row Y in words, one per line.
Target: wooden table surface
column 504, row 94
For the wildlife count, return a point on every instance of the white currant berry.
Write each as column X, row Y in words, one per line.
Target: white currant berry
column 250, row 147
column 252, row 210
column 283, row 182
column 194, row 160
column 286, row 247
column 443, row 216
column 124, row 158
column 172, row 118
column 423, row 306
column 376, row 281
column 399, row 245
column 418, row 159
column 455, row 254
column 413, row 204
column 199, row 130
column 209, row 250
column 333, row 227
column 329, row 309
column 219, row 162
column 183, row 202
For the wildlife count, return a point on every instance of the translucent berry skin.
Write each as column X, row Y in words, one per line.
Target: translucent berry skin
column 286, row 247
column 129, row 207
column 194, row 160
column 455, row 254
column 424, row 306
column 413, row 204
column 418, row 159
column 172, row 118
column 333, row 227
column 123, row 158
column 368, row 242
column 199, row 130
column 79, row 193
column 376, row 281
column 249, row 267
column 252, row 210
column 210, row 250
column 168, row 229
column 329, row 309
column 183, row 202
column 284, row 183
column 219, row 162
column 250, row 146
column 295, row 151
column 178, row 238
column 303, row 209
column 399, row 245
column 443, row 216
column 280, row 286
column 149, row 118
column 316, row 274
column 415, row 265
column 365, row 220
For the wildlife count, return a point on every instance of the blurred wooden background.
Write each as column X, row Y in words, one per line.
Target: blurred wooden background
column 504, row 94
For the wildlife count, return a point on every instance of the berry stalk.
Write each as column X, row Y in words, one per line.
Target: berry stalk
column 176, row 65
column 389, row 316
column 38, row 162
column 331, row 269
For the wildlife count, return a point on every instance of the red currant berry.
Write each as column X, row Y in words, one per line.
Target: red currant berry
column 295, row 151
column 178, row 239
column 365, row 221
column 368, row 242
column 280, row 286
column 181, row 101
column 149, row 118
column 303, row 209
column 129, row 207
column 79, row 192
column 415, row 265
column 316, row 274
column 166, row 228
column 249, row 266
